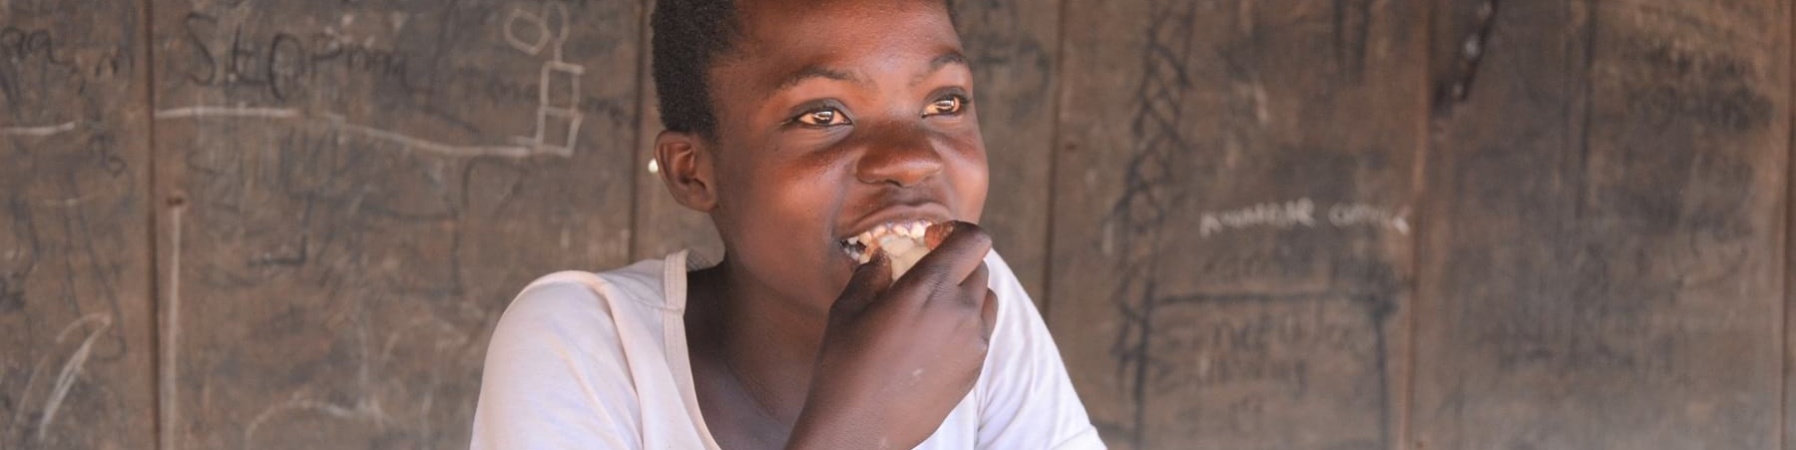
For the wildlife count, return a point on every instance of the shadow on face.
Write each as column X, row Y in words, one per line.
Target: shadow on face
column 833, row 118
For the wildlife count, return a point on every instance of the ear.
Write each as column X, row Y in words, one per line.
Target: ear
column 686, row 167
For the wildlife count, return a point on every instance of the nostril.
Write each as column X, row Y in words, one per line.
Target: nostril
column 897, row 153
column 902, row 168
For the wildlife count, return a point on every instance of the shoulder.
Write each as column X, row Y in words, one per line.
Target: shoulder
column 580, row 296
column 557, row 372
column 579, row 313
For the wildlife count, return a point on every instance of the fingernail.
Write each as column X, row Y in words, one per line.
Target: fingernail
column 935, row 234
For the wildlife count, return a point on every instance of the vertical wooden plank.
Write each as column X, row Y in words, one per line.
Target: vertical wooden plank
column 1232, row 247
column 1010, row 44
column 1789, row 227
column 75, row 295
column 353, row 192
column 1600, row 266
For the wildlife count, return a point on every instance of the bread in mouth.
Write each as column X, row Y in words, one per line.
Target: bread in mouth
column 904, row 243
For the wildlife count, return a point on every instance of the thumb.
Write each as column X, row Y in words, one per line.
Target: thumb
column 869, row 281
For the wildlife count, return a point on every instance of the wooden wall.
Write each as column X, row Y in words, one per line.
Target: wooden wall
column 1252, row 224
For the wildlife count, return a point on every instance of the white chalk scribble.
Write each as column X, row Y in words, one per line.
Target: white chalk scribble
column 39, row 131
column 71, row 369
column 342, row 124
column 557, row 109
column 1302, row 213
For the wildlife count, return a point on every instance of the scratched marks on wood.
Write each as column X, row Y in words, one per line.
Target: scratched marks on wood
column 1249, row 117
column 1249, row 367
column 75, row 317
column 352, row 192
column 1600, row 266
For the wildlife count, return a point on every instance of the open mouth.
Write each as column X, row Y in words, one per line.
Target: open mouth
column 895, row 238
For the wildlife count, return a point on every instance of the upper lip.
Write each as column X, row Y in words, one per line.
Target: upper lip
column 932, row 212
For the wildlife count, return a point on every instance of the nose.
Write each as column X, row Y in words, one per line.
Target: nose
column 900, row 155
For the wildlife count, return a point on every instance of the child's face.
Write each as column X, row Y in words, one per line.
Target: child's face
column 835, row 117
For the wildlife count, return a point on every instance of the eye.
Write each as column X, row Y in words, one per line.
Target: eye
column 822, row 117
column 948, row 105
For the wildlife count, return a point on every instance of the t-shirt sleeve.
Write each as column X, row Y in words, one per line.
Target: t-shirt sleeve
column 555, row 376
column 1026, row 398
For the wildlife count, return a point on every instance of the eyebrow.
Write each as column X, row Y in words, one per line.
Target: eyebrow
column 950, row 57
column 813, row 71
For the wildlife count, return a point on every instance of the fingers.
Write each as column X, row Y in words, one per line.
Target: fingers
column 961, row 251
column 976, row 293
column 868, row 281
column 974, row 286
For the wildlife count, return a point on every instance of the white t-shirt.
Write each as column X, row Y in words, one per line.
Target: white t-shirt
column 587, row 361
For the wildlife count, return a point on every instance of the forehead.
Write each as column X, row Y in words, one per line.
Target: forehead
column 780, row 37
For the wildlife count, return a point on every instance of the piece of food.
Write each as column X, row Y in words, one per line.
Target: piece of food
column 904, row 243
column 905, row 251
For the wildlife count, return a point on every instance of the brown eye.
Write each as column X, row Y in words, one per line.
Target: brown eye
column 822, row 118
column 949, row 105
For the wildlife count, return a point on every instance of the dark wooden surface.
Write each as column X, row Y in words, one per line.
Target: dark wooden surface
column 1603, row 227
column 1231, row 260
column 1288, row 224
column 76, row 317
column 354, row 191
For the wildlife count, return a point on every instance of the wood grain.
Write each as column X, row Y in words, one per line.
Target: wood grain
column 1231, row 248
column 1272, row 224
column 353, row 192
column 1600, row 263
column 76, row 324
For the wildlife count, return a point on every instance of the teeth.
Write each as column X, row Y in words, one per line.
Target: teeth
column 860, row 247
column 894, row 245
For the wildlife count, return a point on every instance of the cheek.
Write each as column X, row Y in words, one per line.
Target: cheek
column 972, row 179
column 781, row 209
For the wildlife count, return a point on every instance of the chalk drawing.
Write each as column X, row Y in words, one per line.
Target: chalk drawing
column 65, row 378
column 553, row 112
column 1138, row 224
column 339, row 123
column 227, row 111
column 1302, row 213
column 364, row 409
column 71, row 369
column 368, row 408
column 532, row 45
column 1359, row 214
column 40, row 131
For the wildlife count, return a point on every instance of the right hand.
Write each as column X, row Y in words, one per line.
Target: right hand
column 897, row 356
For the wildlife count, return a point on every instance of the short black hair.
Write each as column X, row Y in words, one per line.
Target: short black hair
column 689, row 35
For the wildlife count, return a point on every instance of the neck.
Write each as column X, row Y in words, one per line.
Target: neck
column 767, row 340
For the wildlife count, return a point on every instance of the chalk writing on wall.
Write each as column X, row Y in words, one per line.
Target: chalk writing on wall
column 1303, row 213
